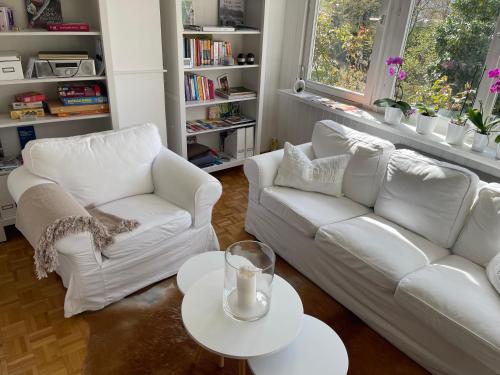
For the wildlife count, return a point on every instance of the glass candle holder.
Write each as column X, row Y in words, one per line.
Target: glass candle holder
column 248, row 280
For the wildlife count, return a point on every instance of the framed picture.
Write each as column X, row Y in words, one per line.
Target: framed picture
column 223, row 81
column 231, row 12
column 187, row 12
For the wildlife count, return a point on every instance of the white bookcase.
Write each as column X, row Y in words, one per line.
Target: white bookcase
column 251, row 76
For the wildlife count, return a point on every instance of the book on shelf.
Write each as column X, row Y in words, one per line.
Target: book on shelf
column 209, row 28
column 63, row 55
column 59, row 109
column 30, row 97
column 196, row 126
column 236, row 93
column 198, row 88
column 238, row 120
column 26, row 134
column 68, row 27
column 202, row 52
column 79, row 89
column 84, row 100
column 19, row 114
column 21, row 105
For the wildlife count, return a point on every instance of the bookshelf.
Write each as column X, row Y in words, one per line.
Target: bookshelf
column 250, row 76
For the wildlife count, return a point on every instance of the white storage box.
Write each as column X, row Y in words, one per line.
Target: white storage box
column 10, row 66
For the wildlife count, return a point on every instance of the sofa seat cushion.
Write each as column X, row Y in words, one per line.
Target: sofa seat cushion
column 377, row 249
column 308, row 211
column 453, row 297
column 427, row 196
column 159, row 219
column 100, row 167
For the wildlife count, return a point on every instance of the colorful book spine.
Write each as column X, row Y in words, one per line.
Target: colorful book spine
column 68, row 27
column 206, row 52
column 198, row 88
column 21, row 105
column 84, row 100
column 30, row 97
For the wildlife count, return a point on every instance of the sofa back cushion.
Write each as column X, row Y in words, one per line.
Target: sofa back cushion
column 479, row 240
column 100, row 167
column 426, row 196
column 366, row 169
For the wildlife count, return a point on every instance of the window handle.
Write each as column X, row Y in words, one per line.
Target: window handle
column 380, row 19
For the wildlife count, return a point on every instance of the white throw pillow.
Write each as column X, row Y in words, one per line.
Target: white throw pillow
column 479, row 240
column 323, row 175
column 427, row 196
column 365, row 172
column 493, row 272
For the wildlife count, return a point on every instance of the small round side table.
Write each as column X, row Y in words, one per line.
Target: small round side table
column 198, row 266
column 206, row 322
column 317, row 350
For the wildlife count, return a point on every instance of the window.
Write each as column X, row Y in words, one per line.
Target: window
column 446, row 45
column 343, row 42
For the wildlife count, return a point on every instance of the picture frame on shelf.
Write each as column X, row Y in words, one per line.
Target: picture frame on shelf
column 232, row 13
column 223, row 82
column 42, row 12
column 188, row 15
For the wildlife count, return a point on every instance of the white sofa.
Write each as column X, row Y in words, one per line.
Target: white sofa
column 130, row 174
column 388, row 249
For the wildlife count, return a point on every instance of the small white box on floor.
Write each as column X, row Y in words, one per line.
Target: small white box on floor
column 235, row 145
column 10, row 66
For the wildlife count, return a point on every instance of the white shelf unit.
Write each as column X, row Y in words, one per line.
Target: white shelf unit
column 251, row 76
column 28, row 42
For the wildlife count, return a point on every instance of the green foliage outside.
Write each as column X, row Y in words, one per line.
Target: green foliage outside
column 448, row 41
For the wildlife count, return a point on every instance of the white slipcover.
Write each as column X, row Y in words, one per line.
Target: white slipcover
column 100, row 167
column 378, row 250
column 171, row 198
column 426, row 196
column 308, row 211
column 366, row 168
column 455, row 298
column 479, row 240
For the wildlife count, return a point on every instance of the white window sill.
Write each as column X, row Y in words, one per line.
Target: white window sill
column 372, row 122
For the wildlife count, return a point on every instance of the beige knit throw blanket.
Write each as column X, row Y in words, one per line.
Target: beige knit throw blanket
column 47, row 213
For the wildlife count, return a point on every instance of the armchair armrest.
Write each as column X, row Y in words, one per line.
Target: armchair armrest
column 182, row 183
column 20, row 180
column 261, row 170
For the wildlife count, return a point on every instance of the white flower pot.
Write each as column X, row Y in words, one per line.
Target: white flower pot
column 498, row 151
column 456, row 133
column 426, row 124
column 393, row 116
column 479, row 142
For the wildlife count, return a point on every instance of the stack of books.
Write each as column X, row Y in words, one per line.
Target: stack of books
column 198, row 88
column 63, row 55
column 9, row 164
column 198, row 126
column 79, row 98
column 27, row 106
column 236, row 93
column 206, row 52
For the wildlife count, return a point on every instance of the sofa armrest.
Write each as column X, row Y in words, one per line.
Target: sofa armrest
column 261, row 170
column 178, row 181
column 20, row 180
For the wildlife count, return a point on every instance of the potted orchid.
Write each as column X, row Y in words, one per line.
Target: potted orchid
column 426, row 118
column 395, row 108
column 485, row 126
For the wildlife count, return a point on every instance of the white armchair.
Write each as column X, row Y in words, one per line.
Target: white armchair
column 127, row 173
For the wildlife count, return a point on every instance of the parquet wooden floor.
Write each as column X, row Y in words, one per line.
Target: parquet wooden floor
column 36, row 339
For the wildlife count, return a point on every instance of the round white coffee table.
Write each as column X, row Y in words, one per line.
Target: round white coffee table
column 206, row 322
column 197, row 267
column 317, row 350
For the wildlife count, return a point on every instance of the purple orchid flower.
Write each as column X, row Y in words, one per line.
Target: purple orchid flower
column 395, row 60
column 392, row 71
column 402, row 75
column 494, row 73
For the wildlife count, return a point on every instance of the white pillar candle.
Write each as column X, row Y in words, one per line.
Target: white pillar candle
column 246, row 286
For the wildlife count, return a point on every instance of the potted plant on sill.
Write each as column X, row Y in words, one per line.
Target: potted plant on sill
column 485, row 126
column 431, row 100
column 395, row 108
column 426, row 118
column 462, row 101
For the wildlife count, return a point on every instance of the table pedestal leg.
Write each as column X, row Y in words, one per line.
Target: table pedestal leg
column 242, row 367
column 221, row 362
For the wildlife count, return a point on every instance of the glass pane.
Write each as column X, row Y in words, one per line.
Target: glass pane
column 496, row 108
column 445, row 52
column 344, row 41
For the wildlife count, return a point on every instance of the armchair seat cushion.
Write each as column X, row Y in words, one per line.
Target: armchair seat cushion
column 159, row 221
column 308, row 211
column 378, row 250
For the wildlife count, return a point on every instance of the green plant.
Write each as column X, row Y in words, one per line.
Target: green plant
column 426, row 110
column 387, row 102
column 497, row 139
column 484, row 124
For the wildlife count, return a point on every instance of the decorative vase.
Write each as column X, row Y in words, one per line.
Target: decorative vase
column 249, row 272
column 498, row 151
column 479, row 142
column 393, row 116
column 455, row 134
column 426, row 124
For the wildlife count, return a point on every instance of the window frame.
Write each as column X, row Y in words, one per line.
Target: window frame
column 389, row 41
